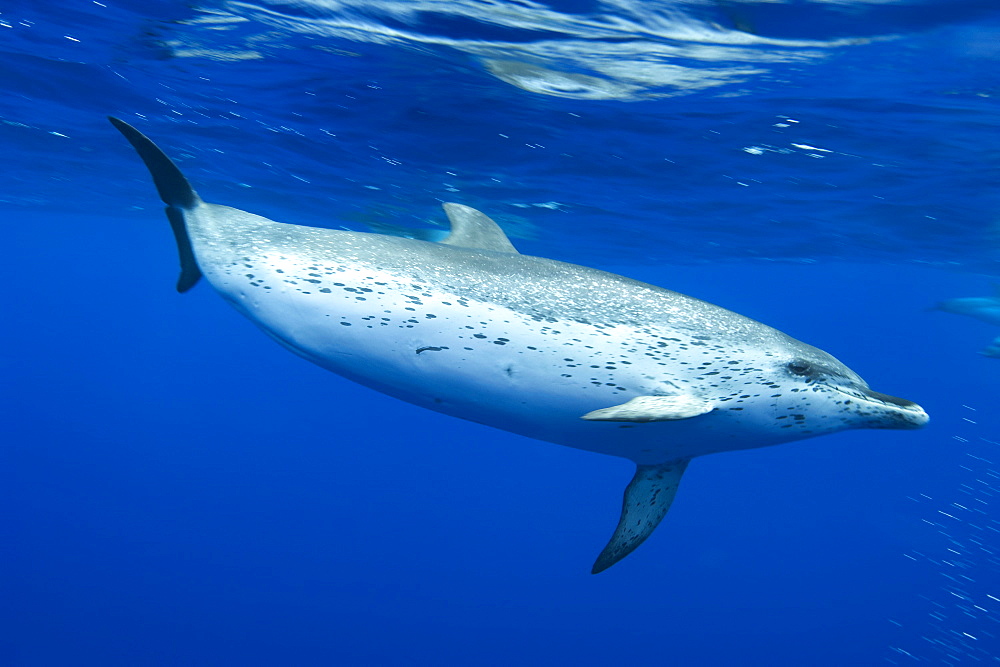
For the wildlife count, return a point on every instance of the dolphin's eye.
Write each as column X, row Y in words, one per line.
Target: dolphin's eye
column 799, row 367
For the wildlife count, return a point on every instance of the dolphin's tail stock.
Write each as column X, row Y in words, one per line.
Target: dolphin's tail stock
column 647, row 499
column 176, row 193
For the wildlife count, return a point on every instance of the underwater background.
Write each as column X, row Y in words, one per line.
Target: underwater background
column 179, row 490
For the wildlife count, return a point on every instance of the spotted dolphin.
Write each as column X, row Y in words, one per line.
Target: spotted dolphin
column 992, row 350
column 553, row 351
column 983, row 308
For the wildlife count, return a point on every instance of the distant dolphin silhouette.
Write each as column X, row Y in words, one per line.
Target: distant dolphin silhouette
column 983, row 308
column 992, row 350
column 545, row 349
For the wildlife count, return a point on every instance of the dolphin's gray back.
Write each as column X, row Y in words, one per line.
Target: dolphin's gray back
column 544, row 289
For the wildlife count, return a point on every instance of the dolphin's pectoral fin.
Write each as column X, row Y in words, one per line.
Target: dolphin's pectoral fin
column 473, row 229
column 652, row 409
column 176, row 193
column 647, row 499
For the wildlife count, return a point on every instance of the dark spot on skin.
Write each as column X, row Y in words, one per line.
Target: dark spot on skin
column 430, row 348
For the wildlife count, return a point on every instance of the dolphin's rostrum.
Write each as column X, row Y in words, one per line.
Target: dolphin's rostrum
column 545, row 349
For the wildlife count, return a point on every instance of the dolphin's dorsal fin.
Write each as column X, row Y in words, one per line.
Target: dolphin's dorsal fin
column 652, row 409
column 176, row 193
column 647, row 499
column 473, row 229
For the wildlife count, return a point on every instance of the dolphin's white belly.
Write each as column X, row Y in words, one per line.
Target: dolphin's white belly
column 478, row 361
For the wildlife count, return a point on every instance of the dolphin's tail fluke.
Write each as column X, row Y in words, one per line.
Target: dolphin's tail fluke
column 176, row 193
column 174, row 189
column 647, row 499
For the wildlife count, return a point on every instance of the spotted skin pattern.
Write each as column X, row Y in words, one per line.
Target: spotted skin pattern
column 525, row 344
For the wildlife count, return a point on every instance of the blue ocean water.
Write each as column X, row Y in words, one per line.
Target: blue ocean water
column 181, row 491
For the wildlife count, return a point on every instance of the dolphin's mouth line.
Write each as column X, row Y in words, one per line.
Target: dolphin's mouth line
column 877, row 398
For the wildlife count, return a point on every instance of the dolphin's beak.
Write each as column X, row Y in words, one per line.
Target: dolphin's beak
column 901, row 413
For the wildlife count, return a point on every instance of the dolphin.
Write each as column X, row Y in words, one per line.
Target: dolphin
column 992, row 350
column 983, row 308
column 549, row 350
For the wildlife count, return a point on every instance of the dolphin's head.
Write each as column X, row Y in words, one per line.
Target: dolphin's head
column 818, row 394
